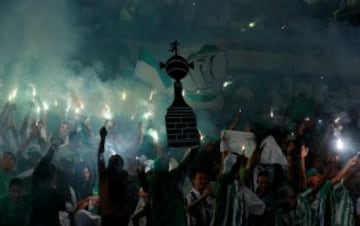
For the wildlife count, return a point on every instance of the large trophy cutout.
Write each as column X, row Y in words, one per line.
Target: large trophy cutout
column 181, row 126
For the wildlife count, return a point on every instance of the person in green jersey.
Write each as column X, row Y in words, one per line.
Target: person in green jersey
column 14, row 206
column 7, row 164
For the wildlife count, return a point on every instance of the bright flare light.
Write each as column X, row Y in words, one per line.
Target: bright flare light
column 154, row 134
column 12, row 94
column 340, row 144
column 252, row 24
column 183, row 93
column 337, row 120
column 45, row 106
column 202, row 137
column 77, row 111
column 123, row 95
column 38, row 109
column 227, row 83
column 151, row 96
column 107, row 112
column 148, row 114
column 271, row 113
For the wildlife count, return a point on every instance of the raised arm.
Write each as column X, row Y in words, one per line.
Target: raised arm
column 345, row 170
column 144, row 183
column 185, row 164
column 303, row 155
column 101, row 150
column 235, row 122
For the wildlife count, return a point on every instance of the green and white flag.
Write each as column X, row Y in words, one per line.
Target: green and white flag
column 203, row 86
column 148, row 70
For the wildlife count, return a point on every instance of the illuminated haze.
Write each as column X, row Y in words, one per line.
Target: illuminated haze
column 85, row 52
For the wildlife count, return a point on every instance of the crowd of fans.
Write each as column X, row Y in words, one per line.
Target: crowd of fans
column 71, row 176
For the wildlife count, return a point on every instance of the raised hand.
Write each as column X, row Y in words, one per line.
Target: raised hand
column 304, row 151
column 56, row 141
column 209, row 190
column 103, row 132
column 353, row 161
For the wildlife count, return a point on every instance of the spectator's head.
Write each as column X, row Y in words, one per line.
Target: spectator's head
column 34, row 154
column 8, row 161
column 199, row 179
column 263, row 182
column 285, row 198
column 116, row 163
column 63, row 129
column 161, row 165
column 313, row 178
column 86, row 173
column 16, row 189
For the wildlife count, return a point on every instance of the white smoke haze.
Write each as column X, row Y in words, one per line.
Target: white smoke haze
column 88, row 65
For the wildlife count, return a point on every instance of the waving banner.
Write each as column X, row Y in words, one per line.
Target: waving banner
column 203, row 85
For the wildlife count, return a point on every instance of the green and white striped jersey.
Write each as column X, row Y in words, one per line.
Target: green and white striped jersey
column 300, row 215
column 230, row 206
column 318, row 205
column 342, row 209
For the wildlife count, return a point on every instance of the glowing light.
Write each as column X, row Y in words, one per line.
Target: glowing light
column 271, row 113
column 112, row 151
column 151, row 96
column 252, row 24
column 77, row 110
column 227, row 83
column 340, row 144
column 12, row 94
column 154, row 134
column 243, row 147
column 202, row 137
column 33, row 90
column 148, row 114
column 107, row 112
column 45, row 106
column 183, row 93
column 337, row 120
column 307, row 119
column 38, row 109
column 123, row 95
column 283, row 27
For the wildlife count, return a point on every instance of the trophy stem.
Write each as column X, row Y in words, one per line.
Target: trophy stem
column 178, row 97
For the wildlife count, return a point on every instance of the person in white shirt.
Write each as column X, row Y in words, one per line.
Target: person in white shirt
column 200, row 200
